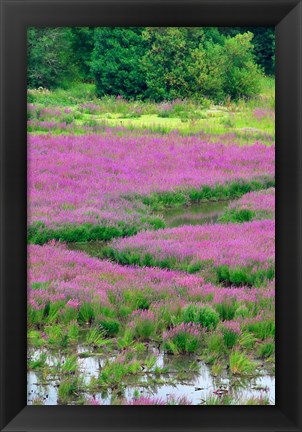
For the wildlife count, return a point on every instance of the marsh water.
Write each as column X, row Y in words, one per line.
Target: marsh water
column 195, row 214
column 187, row 376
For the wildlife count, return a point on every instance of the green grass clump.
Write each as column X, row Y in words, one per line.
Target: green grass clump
column 230, row 338
column 247, row 341
column 70, row 365
column 68, row 314
column 69, row 389
column 138, row 299
column 181, row 343
column 56, row 335
column 241, row 312
column 220, row 400
column 113, row 373
column 238, row 216
column 204, row 315
column 240, row 364
column 264, row 329
column 96, row 337
column 73, row 332
column 144, row 329
column 226, row 309
column 34, row 338
column 38, row 363
column 34, row 316
column 217, row 368
column 86, row 314
column 215, row 345
column 110, row 327
column 266, row 349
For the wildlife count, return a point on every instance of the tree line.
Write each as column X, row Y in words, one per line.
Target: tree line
column 154, row 63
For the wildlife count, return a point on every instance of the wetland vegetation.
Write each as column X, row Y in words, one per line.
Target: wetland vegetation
column 151, row 233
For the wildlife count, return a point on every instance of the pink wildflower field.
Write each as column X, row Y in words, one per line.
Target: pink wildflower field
column 92, row 178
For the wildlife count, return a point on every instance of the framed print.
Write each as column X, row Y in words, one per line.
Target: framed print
column 149, row 270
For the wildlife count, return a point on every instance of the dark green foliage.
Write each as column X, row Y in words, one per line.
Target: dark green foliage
column 168, row 61
column 116, row 64
column 110, row 327
column 194, row 267
column 184, row 63
column 263, row 42
column 50, row 62
column 157, row 63
column 240, row 76
column 82, row 43
column 86, row 314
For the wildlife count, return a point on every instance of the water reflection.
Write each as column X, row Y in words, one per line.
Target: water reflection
column 185, row 377
column 196, row 214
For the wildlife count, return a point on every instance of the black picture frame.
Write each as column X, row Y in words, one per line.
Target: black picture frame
column 16, row 16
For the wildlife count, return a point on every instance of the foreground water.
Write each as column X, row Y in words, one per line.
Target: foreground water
column 186, row 376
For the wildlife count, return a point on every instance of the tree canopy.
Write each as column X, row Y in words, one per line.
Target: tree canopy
column 156, row 63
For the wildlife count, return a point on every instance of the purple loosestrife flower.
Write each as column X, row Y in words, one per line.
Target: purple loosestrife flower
column 233, row 326
column 145, row 400
column 260, row 201
column 234, row 245
column 77, row 179
column 73, row 303
column 188, row 328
